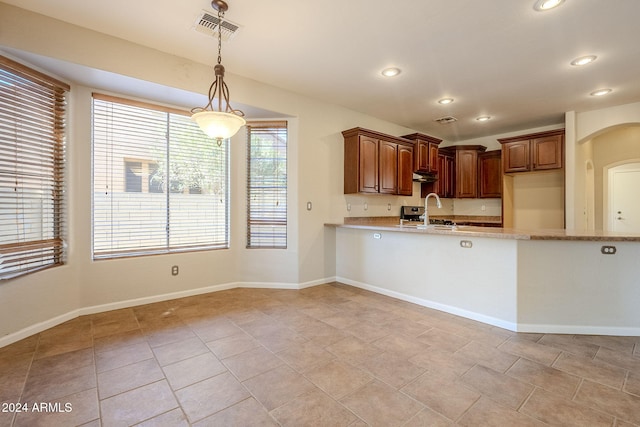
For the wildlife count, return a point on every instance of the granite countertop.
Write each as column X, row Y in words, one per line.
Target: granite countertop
column 392, row 224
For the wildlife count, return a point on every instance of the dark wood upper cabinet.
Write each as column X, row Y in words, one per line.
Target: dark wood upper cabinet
column 490, row 174
column 425, row 152
column 465, row 165
column 388, row 167
column 516, row 156
column 368, row 154
column 376, row 163
column 444, row 186
column 466, row 174
column 546, row 152
column 533, row 152
column 405, row 170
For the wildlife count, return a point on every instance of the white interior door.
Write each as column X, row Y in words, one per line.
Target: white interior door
column 624, row 197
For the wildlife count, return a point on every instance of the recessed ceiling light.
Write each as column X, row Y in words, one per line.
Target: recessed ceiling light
column 483, row 118
column 583, row 60
column 391, row 72
column 445, row 101
column 600, row 92
column 542, row 5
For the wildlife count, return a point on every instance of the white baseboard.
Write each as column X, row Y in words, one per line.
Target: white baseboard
column 38, row 327
column 50, row 323
column 317, row 282
column 432, row 304
column 155, row 298
column 519, row 327
column 516, row 327
column 622, row 331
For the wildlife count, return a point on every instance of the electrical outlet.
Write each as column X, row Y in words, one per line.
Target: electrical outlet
column 175, row 270
column 466, row 243
column 377, row 236
column 608, row 250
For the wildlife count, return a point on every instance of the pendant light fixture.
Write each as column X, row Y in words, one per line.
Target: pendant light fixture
column 220, row 123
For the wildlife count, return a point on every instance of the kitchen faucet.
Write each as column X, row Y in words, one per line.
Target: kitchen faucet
column 426, row 208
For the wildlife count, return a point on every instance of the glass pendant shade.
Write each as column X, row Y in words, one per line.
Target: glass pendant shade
column 218, row 125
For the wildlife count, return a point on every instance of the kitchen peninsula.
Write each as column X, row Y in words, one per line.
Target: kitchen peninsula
column 547, row 281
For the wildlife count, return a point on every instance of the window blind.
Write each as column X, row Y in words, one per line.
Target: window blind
column 267, row 185
column 32, row 159
column 160, row 184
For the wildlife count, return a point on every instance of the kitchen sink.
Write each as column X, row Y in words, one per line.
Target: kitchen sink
column 410, row 224
column 438, row 226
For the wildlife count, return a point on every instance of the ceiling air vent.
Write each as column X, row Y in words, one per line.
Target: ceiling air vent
column 446, row 120
column 207, row 23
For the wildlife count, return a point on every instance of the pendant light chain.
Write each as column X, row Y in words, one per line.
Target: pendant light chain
column 224, row 121
column 220, row 17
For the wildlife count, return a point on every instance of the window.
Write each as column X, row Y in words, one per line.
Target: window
column 267, row 185
column 32, row 137
column 160, row 184
column 140, row 177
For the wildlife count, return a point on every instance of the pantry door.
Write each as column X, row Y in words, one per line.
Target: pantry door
column 624, row 198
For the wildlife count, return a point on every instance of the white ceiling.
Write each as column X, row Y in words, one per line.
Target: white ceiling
column 494, row 57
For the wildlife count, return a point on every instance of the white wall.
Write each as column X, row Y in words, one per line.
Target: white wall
column 538, row 286
column 315, row 171
column 571, row 287
column 83, row 286
column 434, row 271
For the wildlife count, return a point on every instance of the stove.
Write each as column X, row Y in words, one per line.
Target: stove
column 412, row 213
column 416, row 214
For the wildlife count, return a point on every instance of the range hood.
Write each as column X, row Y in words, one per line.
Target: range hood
column 424, row 177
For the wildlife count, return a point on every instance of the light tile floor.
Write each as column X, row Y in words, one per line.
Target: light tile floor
column 331, row 355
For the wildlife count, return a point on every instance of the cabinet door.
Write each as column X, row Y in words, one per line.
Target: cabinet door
column 405, row 170
column 546, row 152
column 490, row 174
column 466, row 174
column 422, row 156
column 368, row 171
column 388, row 161
column 433, row 157
column 515, row 156
column 439, row 185
column 445, row 185
column 451, row 177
